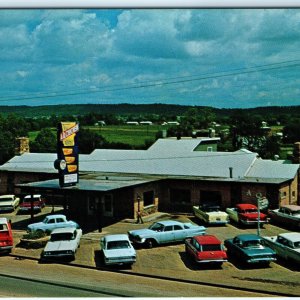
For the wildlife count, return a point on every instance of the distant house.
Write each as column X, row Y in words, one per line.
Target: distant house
column 171, row 176
column 146, row 123
column 100, row 123
column 132, row 123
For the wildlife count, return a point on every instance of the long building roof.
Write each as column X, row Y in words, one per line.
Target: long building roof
column 179, row 161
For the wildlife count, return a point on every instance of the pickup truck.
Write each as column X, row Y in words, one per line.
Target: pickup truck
column 63, row 242
column 205, row 249
column 163, row 232
column 50, row 223
column 211, row 214
column 6, row 237
column 9, row 202
column 246, row 214
column 286, row 245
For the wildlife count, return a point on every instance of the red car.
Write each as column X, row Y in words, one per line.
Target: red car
column 206, row 249
column 6, row 238
column 37, row 204
column 246, row 214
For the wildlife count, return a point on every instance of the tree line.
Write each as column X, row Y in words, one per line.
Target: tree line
column 237, row 129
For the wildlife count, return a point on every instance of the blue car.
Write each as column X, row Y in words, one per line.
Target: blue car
column 163, row 232
column 51, row 222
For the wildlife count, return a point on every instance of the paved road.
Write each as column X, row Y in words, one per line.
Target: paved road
column 27, row 278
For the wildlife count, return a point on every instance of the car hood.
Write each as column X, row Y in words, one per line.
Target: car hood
column 141, row 232
column 34, row 225
column 119, row 252
column 60, row 246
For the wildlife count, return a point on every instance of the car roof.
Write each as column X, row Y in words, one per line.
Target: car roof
column 56, row 216
column 34, row 196
column 291, row 236
column 291, row 207
column 248, row 237
column 3, row 221
column 169, row 222
column 64, row 230
column 116, row 237
column 7, row 196
column 207, row 239
column 246, row 206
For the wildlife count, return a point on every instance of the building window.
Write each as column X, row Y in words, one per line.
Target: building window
column 148, row 198
column 180, row 196
column 209, row 149
column 283, row 195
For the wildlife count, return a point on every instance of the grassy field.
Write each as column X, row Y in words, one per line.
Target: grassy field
column 135, row 136
column 132, row 135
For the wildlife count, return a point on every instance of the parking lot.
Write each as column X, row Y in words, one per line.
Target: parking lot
column 171, row 260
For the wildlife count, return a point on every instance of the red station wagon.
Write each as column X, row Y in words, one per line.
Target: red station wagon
column 205, row 249
column 37, row 204
column 6, row 238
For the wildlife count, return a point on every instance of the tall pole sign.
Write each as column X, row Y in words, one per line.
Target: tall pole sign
column 67, row 162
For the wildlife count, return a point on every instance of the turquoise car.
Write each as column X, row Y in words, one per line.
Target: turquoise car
column 249, row 249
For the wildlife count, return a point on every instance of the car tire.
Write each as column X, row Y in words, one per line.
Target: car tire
column 149, row 243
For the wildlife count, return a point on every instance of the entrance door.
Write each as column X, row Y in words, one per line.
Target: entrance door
column 107, row 207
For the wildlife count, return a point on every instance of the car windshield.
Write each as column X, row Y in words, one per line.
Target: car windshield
column 253, row 244
column 46, row 221
column 212, row 209
column 118, row 245
column 5, row 199
column 65, row 236
column 157, row 227
column 211, row 247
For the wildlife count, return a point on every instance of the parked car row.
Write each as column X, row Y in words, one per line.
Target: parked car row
column 12, row 202
column 248, row 214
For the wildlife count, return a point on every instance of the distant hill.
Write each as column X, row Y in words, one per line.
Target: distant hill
column 128, row 109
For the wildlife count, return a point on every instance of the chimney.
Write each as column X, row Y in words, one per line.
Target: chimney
column 22, row 145
column 296, row 153
column 230, row 171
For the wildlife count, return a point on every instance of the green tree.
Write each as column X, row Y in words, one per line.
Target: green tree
column 45, row 142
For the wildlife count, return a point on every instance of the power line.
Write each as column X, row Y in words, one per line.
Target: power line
column 147, row 84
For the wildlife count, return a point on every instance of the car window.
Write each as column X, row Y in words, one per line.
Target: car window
column 196, row 245
column 59, row 220
column 211, row 247
column 177, row 227
column 297, row 245
column 117, row 245
column 156, row 227
column 253, row 244
column 3, row 227
column 51, row 221
column 65, row 236
column 168, row 228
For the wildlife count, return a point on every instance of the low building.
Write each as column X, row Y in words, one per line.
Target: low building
column 171, row 176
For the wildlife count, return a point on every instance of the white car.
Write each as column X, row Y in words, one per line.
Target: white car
column 211, row 214
column 9, row 202
column 117, row 250
column 286, row 245
column 63, row 242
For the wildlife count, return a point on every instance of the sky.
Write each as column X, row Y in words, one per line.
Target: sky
column 223, row 58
